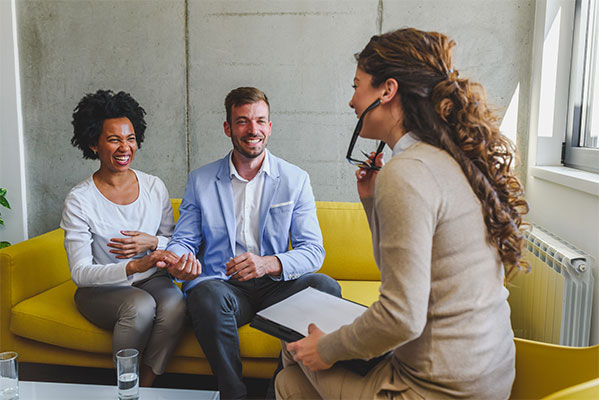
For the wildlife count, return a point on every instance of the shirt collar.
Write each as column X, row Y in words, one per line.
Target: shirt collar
column 265, row 167
column 407, row 140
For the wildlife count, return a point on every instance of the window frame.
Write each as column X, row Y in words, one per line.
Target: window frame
column 576, row 156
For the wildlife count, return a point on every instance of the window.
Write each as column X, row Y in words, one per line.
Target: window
column 581, row 144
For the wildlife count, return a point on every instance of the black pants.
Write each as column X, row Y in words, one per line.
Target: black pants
column 217, row 308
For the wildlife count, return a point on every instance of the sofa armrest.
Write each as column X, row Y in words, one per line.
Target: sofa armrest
column 26, row 269
column 32, row 266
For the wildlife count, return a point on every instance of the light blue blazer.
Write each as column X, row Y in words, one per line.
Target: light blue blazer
column 206, row 224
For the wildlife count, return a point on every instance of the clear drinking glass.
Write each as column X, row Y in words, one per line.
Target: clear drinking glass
column 9, row 376
column 127, row 374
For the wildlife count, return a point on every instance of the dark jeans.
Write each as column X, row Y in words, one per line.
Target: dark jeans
column 217, row 308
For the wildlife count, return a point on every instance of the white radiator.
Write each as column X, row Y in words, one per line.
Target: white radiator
column 553, row 303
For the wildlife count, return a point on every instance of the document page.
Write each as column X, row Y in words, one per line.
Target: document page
column 313, row 306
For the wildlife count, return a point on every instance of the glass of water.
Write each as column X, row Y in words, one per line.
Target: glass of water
column 127, row 374
column 9, row 376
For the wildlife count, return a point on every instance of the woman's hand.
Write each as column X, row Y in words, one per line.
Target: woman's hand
column 306, row 351
column 158, row 258
column 365, row 178
column 136, row 243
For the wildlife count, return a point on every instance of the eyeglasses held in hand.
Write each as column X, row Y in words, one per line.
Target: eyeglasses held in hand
column 363, row 163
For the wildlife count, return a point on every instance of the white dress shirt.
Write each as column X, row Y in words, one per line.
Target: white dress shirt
column 247, row 196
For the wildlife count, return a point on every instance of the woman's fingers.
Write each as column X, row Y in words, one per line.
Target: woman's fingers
column 379, row 160
column 361, row 173
column 292, row 348
column 121, row 241
column 169, row 257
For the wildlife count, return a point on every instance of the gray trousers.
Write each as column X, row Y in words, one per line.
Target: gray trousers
column 217, row 308
column 148, row 316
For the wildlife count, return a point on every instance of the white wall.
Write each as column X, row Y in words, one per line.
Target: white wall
column 562, row 200
column 573, row 216
column 12, row 170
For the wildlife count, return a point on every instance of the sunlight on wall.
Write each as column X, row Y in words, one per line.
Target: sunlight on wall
column 548, row 87
column 595, row 95
column 508, row 127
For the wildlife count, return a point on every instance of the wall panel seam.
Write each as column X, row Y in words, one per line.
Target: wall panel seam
column 186, row 38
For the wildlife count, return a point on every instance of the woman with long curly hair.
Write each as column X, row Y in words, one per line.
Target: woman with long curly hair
column 445, row 215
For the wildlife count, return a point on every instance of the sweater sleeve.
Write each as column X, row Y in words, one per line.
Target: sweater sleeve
column 406, row 204
column 78, row 245
column 367, row 203
column 167, row 224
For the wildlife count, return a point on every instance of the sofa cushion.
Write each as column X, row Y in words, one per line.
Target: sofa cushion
column 361, row 292
column 347, row 241
column 253, row 344
column 52, row 317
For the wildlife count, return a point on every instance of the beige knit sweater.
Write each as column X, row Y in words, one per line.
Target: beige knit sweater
column 442, row 304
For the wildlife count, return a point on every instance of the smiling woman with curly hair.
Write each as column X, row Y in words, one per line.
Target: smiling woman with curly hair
column 117, row 224
column 445, row 215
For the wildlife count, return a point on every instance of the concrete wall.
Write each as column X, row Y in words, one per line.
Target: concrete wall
column 180, row 58
column 70, row 48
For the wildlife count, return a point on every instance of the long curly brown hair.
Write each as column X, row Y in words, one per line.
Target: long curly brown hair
column 451, row 113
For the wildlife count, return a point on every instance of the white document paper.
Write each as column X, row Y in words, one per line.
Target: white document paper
column 310, row 305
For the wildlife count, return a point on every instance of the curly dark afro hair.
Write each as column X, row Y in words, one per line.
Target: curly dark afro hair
column 93, row 109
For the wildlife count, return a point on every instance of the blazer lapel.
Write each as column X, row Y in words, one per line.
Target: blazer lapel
column 225, row 192
column 269, row 190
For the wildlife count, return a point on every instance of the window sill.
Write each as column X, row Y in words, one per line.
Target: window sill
column 572, row 178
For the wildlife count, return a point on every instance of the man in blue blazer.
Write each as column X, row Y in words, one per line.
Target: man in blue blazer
column 238, row 217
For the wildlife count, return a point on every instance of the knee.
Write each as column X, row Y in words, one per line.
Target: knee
column 280, row 383
column 324, row 283
column 172, row 309
column 210, row 300
column 139, row 309
column 286, row 383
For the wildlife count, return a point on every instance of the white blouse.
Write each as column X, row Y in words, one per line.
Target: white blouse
column 90, row 220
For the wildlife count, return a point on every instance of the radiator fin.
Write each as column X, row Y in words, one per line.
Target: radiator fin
column 553, row 302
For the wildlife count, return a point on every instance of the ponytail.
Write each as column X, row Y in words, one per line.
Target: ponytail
column 470, row 135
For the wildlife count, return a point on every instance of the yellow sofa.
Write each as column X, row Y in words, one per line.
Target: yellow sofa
column 39, row 319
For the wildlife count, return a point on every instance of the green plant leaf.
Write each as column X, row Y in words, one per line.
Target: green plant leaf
column 4, row 202
column 4, row 244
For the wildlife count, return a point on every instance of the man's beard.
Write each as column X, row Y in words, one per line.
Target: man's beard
column 240, row 149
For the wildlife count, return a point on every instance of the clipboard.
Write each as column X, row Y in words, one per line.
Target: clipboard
column 288, row 320
column 275, row 329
